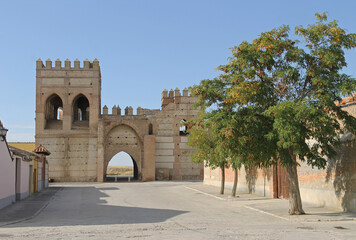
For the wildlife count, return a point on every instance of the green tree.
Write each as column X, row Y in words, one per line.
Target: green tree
column 296, row 84
column 222, row 131
column 246, row 140
column 205, row 135
column 284, row 95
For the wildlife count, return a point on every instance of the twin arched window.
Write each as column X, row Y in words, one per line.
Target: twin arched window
column 54, row 112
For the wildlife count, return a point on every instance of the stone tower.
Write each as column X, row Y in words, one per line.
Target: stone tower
column 68, row 103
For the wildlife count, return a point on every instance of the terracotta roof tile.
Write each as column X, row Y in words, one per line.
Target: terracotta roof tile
column 41, row 150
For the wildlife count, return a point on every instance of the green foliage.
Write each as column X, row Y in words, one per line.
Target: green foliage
column 283, row 94
column 303, row 130
column 277, row 98
column 207, row 137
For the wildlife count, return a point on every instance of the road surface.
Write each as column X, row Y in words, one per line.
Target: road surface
column 170, row 210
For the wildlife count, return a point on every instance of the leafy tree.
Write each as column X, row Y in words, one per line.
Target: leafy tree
column 205, row 135
column 283, row 94
column 246, row 141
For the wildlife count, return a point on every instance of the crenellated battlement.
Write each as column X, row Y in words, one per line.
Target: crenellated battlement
column 128, row 111
column 176, row 96
column 67, row 64
column 175, row 93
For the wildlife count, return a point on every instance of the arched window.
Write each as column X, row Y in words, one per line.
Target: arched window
column 183, row 127
column 81, row 111
column 54, row 112
column 150, row 129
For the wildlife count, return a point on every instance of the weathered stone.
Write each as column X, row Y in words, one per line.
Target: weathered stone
column 83, row 141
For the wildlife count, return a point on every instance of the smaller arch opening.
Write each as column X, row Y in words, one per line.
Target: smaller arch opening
column 81, row 112
column 122, row 167
column 183, row 127
column 54, row 112
column 150, row 129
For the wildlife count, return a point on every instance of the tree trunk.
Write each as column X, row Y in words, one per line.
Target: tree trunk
column 295, row 202
column 233, row 193
column 222, row 180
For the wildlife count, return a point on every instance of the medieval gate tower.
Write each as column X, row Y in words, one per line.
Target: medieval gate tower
column 82, row 139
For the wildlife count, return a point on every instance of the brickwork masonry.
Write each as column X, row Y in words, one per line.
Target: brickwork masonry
column 82, row 139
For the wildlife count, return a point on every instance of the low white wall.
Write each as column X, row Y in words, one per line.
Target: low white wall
column 7, row 176
column 24, row 187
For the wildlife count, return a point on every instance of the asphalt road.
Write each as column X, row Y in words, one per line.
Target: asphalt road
column 169, row 210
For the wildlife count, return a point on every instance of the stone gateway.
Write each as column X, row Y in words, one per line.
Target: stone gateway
column 82, row 139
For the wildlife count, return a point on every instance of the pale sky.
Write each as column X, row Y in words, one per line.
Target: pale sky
column 121, row 159
column 143, row 46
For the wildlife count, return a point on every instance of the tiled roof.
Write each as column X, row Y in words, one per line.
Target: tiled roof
column 41, row 150
column 23, row 153
column 30, row 147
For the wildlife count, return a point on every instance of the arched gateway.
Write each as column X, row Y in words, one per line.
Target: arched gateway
column 86, row 138
column 124, row 138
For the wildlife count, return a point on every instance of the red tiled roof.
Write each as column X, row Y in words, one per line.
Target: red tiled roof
column 41, row 150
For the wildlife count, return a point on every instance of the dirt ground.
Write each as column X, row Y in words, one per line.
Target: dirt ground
column 119, row 171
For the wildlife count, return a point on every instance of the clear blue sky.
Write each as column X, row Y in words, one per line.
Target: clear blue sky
column 143, row 46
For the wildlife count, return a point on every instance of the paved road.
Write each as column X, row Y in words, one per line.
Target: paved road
column 172, row 210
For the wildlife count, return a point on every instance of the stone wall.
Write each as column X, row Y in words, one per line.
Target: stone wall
column 250, row 180
column 66, row 96
column 334, row 186
column 172, row 152
column 72, row 141
column 72, row 158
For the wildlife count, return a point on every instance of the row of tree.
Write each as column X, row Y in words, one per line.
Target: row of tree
column 276, row 102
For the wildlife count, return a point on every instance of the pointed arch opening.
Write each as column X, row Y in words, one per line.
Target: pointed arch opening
column 123, row 138
column 121, row 167
column 54, row 112
column 80, row 112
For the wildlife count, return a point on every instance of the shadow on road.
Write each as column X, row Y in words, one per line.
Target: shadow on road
column 87, row 205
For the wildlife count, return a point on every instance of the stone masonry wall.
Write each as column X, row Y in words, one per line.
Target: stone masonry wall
column 172, row 152
column 73, row 146
column 258, row 181
column 82, row 141
column 334, row 186
column 71, row 159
